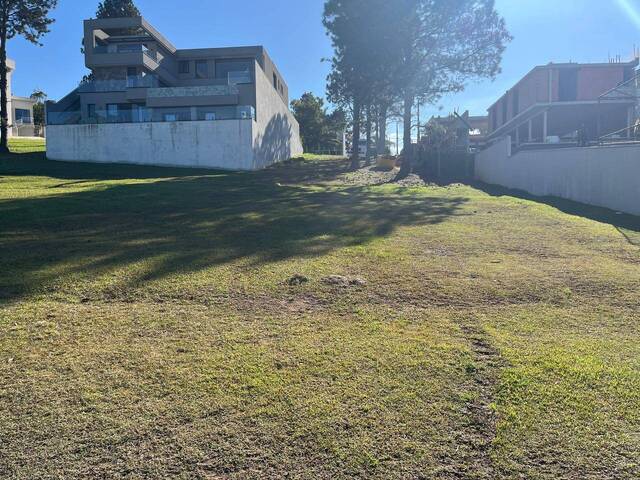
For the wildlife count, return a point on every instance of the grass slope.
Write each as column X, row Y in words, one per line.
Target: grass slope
column 147, row 329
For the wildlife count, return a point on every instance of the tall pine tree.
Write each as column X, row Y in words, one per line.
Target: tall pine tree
column 117, row 9
column 26, row 18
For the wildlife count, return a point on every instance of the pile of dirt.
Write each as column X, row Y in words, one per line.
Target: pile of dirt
column 371, row 175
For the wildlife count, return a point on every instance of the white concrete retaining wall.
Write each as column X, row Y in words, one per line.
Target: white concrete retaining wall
column 603, row 176
column 223, row 144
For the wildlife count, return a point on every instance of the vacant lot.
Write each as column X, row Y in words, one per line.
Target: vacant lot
column 147, row 328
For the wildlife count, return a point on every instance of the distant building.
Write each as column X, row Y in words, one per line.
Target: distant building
column 467, row 133
column 558, row 103
column 20, row 109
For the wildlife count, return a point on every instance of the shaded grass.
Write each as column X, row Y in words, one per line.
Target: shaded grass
column 147, row 331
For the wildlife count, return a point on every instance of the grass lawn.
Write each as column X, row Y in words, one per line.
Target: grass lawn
column 147, row 329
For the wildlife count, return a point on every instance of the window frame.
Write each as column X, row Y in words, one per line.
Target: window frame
column 199, row 74
column 184, row 63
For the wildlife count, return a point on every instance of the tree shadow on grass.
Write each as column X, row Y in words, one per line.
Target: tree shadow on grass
column 184, row 224
column 628, row 225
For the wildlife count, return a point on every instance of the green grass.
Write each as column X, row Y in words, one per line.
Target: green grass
column 147, row 329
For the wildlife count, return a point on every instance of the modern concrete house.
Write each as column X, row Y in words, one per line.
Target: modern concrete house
column 20, row 109
column 556, row 103
column 147, row 102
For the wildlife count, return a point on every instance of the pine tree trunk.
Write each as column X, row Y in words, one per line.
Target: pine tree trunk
column 407, row 156
column 368, row 155
column 382, row 137
column 4, row 114
column 355, row 146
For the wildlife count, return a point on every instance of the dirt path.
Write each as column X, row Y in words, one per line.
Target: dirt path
column 484, row 376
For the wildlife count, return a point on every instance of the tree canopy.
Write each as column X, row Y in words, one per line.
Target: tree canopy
column 117, row 9
column 320, row 131
column 410, row 51
column 30, row 20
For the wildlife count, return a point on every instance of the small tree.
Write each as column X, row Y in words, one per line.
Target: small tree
column 30, row 19
column 319, row 130
column 117, row 9
column 38, row 109
column 310, row 114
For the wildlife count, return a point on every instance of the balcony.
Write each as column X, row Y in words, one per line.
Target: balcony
column 136, row 114
column 102, row 86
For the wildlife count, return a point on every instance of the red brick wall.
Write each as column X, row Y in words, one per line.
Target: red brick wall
column 593, row 82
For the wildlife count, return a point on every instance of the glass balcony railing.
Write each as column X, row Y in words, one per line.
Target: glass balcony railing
column 152, row 115
column 239, row 78
column 100, row 86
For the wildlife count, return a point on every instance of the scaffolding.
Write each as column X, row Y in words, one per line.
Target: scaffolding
column 627, row 90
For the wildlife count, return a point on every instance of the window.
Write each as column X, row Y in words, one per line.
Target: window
column 119, row 112
column 201, row 69
column 569, row 85
column 91, row 110
column 112, row 110
column 23, row 115
column 504, row 110
column 129, row 48
column 171, row 114
column 216, row 113
column 275, row 81
column 235, row 71
column 184, row 67
column 132, row 77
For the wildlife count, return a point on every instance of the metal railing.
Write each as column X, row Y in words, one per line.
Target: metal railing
column 152, row 115
column 624, row 135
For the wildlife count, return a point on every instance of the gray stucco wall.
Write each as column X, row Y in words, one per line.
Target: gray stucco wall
column 277, row 135
column 603, row 176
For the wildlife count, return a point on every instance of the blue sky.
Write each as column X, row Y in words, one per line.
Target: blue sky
column 292, row 31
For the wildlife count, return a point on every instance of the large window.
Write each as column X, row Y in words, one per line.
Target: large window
column 568, row 85
column 184, row 66
column 235, row 71
column 172, row 114
column 91, row 110
column 23, row 115
column 119, row 112
column 226, row 113
column 202, row 69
